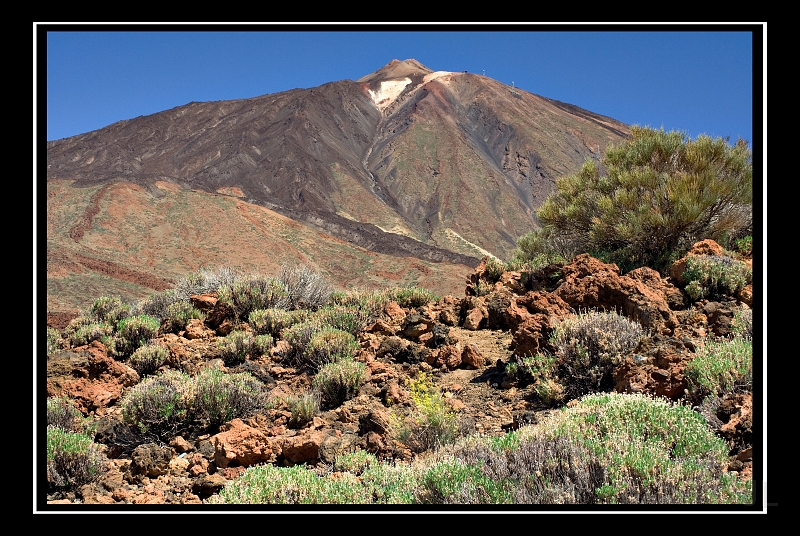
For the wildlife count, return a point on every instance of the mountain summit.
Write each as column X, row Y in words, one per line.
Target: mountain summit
column 418, row 165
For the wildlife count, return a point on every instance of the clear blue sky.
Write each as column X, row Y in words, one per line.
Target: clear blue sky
column 698, row 79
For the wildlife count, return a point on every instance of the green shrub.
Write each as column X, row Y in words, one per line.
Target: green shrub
column 370, row 302
column 159, row 406
column 109, row 310
column 72, row 459
column 432, row 423
column 262, row 344
column 411, row 296
column 236, row 346
column 133, row 332
column 303, row 408
column 744, row 245
column 156, row 304
column 494, row 269
column 589, row 345
column 85, row 334
column 742, row 324
column 340, row 381
column 251, row 292
column 648, row 199
column 61, row 413
column 721, row 366
column 53, row 340
column 713, row 276
column 177, row 315
column 273, row 321
column 329, row 345
column 299, row 336
column 220, row 397
column 205, row 280
column 607, row 449
column 349, row 319
column 305, row 287
column 147, row 359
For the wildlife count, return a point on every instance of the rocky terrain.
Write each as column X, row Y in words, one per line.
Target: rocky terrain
column 464, row 341
column 405, row 176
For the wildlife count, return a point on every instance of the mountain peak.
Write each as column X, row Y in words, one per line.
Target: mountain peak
column 397, row 69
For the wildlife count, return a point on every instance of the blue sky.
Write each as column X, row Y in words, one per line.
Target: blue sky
column 698, row 79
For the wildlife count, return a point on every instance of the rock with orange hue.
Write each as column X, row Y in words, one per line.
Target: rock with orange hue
column 89, row 376
column 531, row 336
column 204, row 302
column 394, row 312
column 196, row 329
column 592, row 284
column 449, row 357
column 471, row 357
column 303, row 447
column 476, row 313
column 243, row 444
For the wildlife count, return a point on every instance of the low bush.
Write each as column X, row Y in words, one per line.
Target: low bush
column 147, row 359
column 53, row 340
column 303, row 408
column 274, row 321
column 72, row 459
column 178, row 314
column 329, row 345
column 607, row 449
column 721, row 366
column 299, row 336
column 305, row 287
column 432, row 422
column 494, row 269
column 410, row 297
column 220, row 397
column 159, row 406
column 109, row 310
column 61, row 413
column 742, row 324
column 714, row 276
column 133, row 332
column 349, row 319
column 589, row 345
column 236, row 346
column 85, row 334
column 340, row 381
column 251, row 292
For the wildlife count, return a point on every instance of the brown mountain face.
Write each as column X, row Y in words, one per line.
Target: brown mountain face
column 414, row 173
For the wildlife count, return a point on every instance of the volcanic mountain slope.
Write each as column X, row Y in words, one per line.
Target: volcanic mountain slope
column 433, row 167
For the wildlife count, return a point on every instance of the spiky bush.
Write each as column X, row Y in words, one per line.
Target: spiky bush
column 178, row 314
column 412, row 296
column 721, row 366
column 589, row 345
column 494, row 269
column 159, row 406
column 303, row 408
column 370, row 302
column 72, row 459
column 305, row 287
column 147, row 359
column 109, row 310
column 713, row 276
column 205, row 280
column 156, row 304
column 742, row 324
column 299, row 336
column 133, row 332
column 86, row 333
column 54, row 340
column 349, row 319
column 236, row 346
column 61, row 413
column 339, row 381
column 273, row 321
column 329, row 345
column 251, row 292
column 220, row 397
column 432, row 422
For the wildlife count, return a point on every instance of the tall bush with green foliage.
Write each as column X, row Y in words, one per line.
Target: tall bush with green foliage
column 251, row 292
column 648, row 200
column 714, row 276
column 133, row 332
column 159, row 406
column 73, row 459
column 220, row 397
